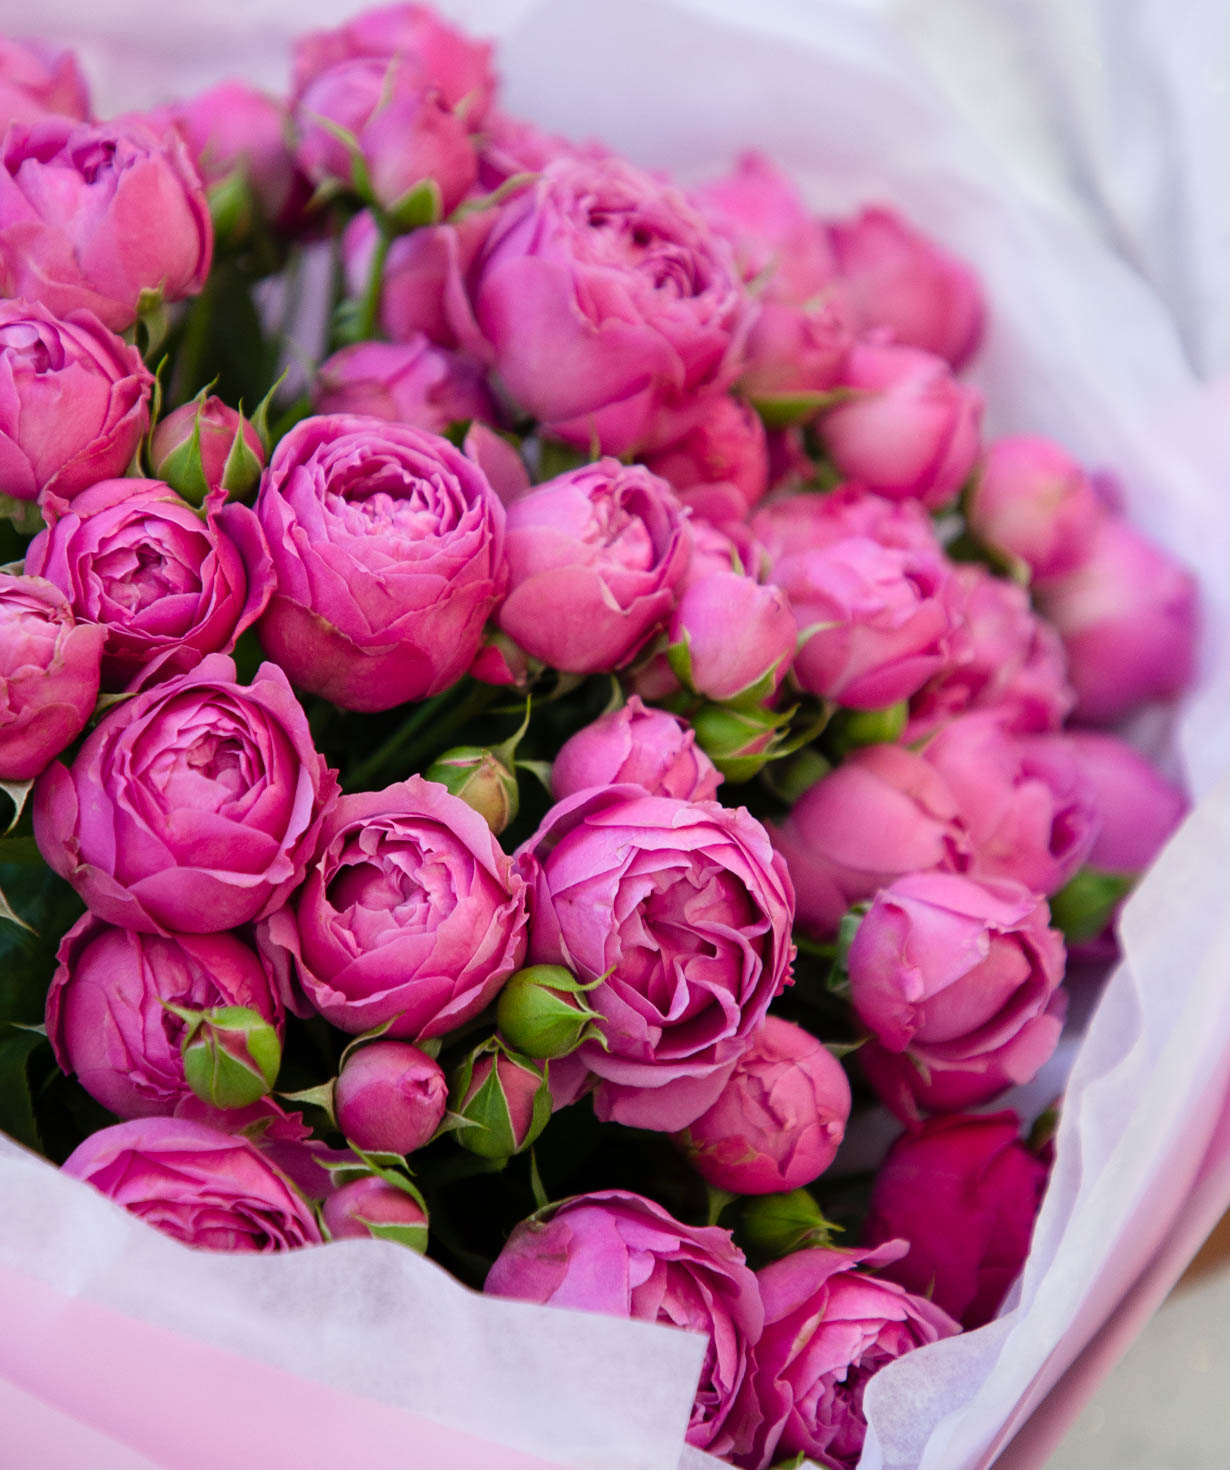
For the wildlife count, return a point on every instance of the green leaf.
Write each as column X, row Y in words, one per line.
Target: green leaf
column 416, row 208
column 16, row 1103
column 17, row 792
column 7, row 912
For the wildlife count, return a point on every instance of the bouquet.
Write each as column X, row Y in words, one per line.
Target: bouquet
column 542, row 770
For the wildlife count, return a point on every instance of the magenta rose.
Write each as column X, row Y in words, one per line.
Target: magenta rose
column 49, row 674
column 684, row 911
column 625, row 1256
column 413, row 382
column 732, row 637
column 107, row 1013
column 1137, row 808
column 75, row 205
column 812, row 522
column 963, row 1191
column 192, row 807
column 411, row 917
column 389, row 1097
column 225, row 440
column 388, row 555
column 37, row 78
column 612, row 309
column 595, row 558
column 957, row 982
column 212, row 1190
column 371, row 1207
column 883, row 813
column 74, row 401
column 1032, row 503
column 778, row 1122
column 829, row 1327
column 726, row 450
column 163, row 583
column 636, row 746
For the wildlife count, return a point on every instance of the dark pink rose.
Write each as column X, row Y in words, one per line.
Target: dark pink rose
column 779, row 1120
column 74, row 401
column 411, row 917
column 1137, row 808
column 390, row 1097
column 49, row 674
column 372, row 1207
column 636, row 746
column 35, row 79
column 797, row 350
column 595, row 557
column 162, row 581
column 192, row 807
column 388, row 553
column 1030, row 501
column 883, row 813
column 613, row 311
column 282, row 1137
column 685, row 910
column 217, row 427
column 511, row 145
column 898, row 278
column 829, row 1327
column 734, row 636
column 963, row 1191
column 811, row 522
column 726, row 448
column 212, row 1190
column 775, row 238
column 623, row 1255
column 957, row 981
column 107, row 1013
column 75, row 205
column 413, row 382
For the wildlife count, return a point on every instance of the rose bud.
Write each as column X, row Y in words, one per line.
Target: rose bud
column 739, row 741
column 388, row 553
column 772, row 1225
column 165, row 583
column 35, row 79
column 963, row 1191
column 49, row 673
column 623, row 1255
column 231, row 1054
column 896, row 277
column 504, row 1099
column 1029, row 814
column 411, row 917
column 75, row 404
column 727, row 447
column 907, row 429
column 810, row 522
column 541, row 1015
column 75, row 205
column 636, row 746
column 205, row 1188
column 482, row 780
column 117, row 1005
column 732, row 639
column 389, row 1097
column 1128, row 617
column 1033, row 504
column 779, row 1120
column 216, row 789
column 412, row 382
column 796, row 354
column 829, row 1326
column 568, row 290
column 204, row 445
column 501, row 663
column 883, row 813
column 373, row 1207
column 957, row 982
column 618, row 881
column 595, row 557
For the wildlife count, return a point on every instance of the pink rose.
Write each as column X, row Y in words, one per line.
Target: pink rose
column 512, row 145
column 411, row 917
column 636, row 746
column 1030, row 501
column 623, row 1255
column 957, row 982
column 371, row 1207
column 212, row 1190
column 963, row 1191
column 107, row 1013
column 192, row 807
column 778, row 1122
column 390, row 1097
column 388, row 553
column 811, row 522
column 685, row 911
column 49, row 674
column 35, row 79
column 75, row 206
column 727, row 448
column 413, row 382
column 1136, row 807
column 734, row 637
column 215, row 460
column 74, row 401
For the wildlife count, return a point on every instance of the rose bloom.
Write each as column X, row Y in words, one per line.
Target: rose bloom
column 810, row 522
column 49, row 674
column 612, row 310
column 684, row 911
column 623, row 1255
column 388, row 554
column 75, row 205
column 134, row 557
column 1031, row 502
column 964, row 1191
column 957, row 982
column 411, row 917
column 37, row 78
column 1137, row 808
column 636, row 746
column 107, row 1014
column 192, row 807
column 413, row 382
column 778, row 1122
column 74, row 401
column 739, row 636
column 727, row 447
column 595, row 558
column 212, row 1190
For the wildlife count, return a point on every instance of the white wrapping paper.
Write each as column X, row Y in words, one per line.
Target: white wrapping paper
column 1081, row 348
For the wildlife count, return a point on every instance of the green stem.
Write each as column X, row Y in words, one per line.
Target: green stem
column 359, row 776
column 369, row 306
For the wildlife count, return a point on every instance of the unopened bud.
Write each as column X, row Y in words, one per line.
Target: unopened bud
column 373, row 1206
column 540, row 1012
column 739, row 742
column 481, row 780
column 503, row 1098
column 390, row 1097
column 773, row 1225
column 231, row 1054
column 204, row 444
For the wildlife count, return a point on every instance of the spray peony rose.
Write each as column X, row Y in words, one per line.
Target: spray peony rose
column 636, row 746
column 1031, row 502
column 1136, row 807
column 389, row 1097
column 413, row 382
column 732, row 637
column 228, row 452
column 36, row 79
column 812, row 522
column 371, row 1207
column 727, row 451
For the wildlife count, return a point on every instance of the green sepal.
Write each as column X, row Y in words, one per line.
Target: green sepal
column 837, row 981
column 770, row 1226
column 222, row 1075
column 782, row 410
column 152, row 322
column 242, row 471
column 1086, row 903
column 493, row 200
column 534, row 1017
column 8, row 912
column 850, row 729
column 360, row 180
column 416, row 208
column 18, row 792
column 679, row 656
column 320, row 1096
column 233, row 207
column 792, row 776
column 183, row 469
column 414, row 1237
column 260, row 419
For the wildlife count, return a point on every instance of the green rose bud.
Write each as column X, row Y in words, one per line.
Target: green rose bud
column 739, row 742
column 773, row 1225
column 503, row 1098
column 481, row 779
column 231, row 1054
column 541, row 1014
